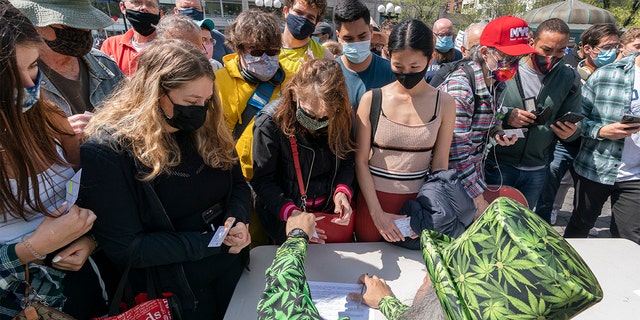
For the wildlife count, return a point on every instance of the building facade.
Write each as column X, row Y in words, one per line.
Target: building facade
column 222, row 12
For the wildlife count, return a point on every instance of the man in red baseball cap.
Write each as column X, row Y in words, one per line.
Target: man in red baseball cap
column 493, row 61
column 541, row 92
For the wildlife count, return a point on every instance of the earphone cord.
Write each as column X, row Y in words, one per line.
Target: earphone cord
column 487, row 139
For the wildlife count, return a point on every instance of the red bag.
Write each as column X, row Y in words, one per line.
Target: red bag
column 157, row 309
column 336, row 233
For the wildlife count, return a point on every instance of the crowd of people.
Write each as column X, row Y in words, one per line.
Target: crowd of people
column 310, row 132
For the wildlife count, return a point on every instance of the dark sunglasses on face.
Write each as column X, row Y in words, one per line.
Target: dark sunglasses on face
column 259, row 52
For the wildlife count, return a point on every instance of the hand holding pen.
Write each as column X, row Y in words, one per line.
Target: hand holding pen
column 372, row 291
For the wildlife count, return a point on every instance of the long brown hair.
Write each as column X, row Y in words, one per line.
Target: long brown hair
column 323, row 80
column 132, row 116
column 27, row 139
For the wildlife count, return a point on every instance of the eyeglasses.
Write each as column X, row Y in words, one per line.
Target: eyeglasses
column 137, row 4
column 611, row 46
column 208, row 41
column 506, row 61
column 259, row 52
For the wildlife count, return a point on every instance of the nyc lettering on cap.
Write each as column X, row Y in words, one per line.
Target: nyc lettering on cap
column 508, row 34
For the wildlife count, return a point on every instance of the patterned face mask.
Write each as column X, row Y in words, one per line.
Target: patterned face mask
column 263, row 67
column 31, row 94
column 310, row 122
column 71, row 42
column 504, row 70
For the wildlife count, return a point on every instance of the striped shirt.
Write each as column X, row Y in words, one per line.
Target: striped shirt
column 470, row 132
column 401, row 154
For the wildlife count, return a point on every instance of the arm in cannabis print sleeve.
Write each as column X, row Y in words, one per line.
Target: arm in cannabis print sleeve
column 392, row 308
column 286, row 293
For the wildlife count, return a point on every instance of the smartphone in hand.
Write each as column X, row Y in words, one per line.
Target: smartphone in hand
column 571, row 117
column 629, row 118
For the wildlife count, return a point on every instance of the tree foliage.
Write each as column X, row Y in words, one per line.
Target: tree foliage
column 626, row 12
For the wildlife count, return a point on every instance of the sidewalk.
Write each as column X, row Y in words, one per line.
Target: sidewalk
column 602, row 225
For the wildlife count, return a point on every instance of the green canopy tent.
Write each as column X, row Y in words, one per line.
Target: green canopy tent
column 578, row 15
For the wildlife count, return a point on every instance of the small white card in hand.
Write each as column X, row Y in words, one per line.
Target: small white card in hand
column 404, row 225
column 220, row 234
column 514, row 132
column 73, row 187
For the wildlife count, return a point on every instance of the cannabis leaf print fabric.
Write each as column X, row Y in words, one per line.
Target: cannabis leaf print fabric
column 509, row 264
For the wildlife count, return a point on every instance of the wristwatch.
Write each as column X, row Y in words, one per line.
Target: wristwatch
column 298, row 233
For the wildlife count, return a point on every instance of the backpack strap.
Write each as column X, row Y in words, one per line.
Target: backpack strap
column 258, row 100
column 376, row 109
column 260, row 97
column 468, row 71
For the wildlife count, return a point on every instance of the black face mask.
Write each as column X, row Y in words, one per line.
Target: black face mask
column 142, row 22
column 376, row 51
column 71, row 42
column 543, row 64
column 300, row 27
column 187, row 118
column 410, row 80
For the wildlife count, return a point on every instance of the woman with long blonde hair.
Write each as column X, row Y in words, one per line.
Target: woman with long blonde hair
column 315, row 113
column 161, row 175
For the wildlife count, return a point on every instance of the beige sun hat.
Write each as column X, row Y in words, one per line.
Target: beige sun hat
column 79, row 14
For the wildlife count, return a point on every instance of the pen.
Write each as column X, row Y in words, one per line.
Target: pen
column 361, row 293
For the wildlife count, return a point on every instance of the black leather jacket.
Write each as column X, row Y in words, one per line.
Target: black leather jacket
column 274, row 176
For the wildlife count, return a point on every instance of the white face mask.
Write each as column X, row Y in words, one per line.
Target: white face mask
column 356, row 52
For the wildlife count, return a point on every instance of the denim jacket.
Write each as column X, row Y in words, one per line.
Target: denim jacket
column 104, row 76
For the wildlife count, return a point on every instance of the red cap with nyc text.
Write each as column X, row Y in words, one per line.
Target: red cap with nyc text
column 508, row 34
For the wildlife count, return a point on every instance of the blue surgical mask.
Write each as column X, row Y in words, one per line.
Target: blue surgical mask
column 605, row 57
column 316, row 39
column 356, row 52
column 444, row 44
column 300, row 27
column 192, row 13
column 31, row 95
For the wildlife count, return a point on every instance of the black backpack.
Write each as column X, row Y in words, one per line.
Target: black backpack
column 446, row 69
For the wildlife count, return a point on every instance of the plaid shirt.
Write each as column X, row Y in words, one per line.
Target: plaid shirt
column 46, row 282
column 606, row 97
column 470, row 133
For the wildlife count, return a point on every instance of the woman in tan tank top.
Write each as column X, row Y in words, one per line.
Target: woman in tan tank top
column 413, row 135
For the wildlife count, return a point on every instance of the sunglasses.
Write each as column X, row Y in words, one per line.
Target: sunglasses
column 259, row 52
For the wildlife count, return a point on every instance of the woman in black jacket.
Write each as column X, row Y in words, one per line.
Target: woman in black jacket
column 313, row 117
column 160, row 173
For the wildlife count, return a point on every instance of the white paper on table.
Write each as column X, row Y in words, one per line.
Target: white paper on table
column 331, row 300
column 73, row 187
column 404, row 225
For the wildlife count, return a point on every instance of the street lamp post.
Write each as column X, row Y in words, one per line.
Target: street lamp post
column 390, row 11
column 269, row 5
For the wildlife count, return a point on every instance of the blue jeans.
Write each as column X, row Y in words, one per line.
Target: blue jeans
column 563, row 156
column 530, row 183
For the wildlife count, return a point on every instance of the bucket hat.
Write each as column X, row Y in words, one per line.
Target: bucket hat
column 79, row 14
column 509, row 264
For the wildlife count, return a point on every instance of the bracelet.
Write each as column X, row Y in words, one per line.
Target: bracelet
column 32, row 250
